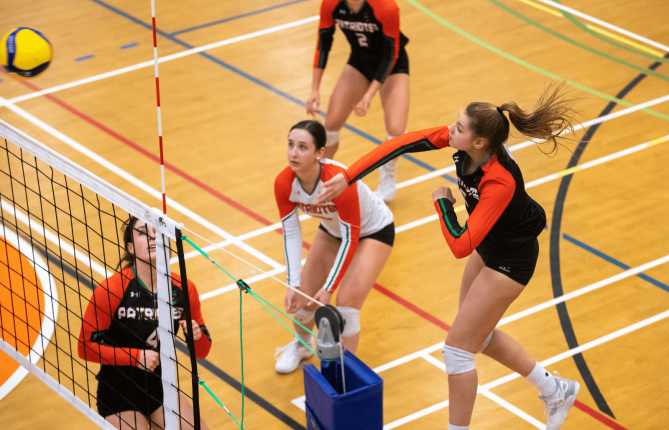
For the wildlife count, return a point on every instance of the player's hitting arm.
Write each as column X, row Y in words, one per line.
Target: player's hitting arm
column 495, row 195
column 416, row 141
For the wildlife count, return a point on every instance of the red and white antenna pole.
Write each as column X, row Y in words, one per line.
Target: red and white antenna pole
column 160, row 126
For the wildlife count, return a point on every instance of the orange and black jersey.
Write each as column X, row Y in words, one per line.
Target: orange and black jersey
column 121, row 320
column 373, row 31
column 503, row 218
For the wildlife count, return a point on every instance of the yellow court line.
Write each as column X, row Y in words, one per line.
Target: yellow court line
column 544, row 8
column 623, row 40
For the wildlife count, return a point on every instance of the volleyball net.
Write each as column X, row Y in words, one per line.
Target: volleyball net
column 61, row 237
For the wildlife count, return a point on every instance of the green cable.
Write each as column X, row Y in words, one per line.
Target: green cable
column 241, row 348
column 282, row 312
column 211, row 260
column 219, row 402
column 516, row 60
column 253, row 294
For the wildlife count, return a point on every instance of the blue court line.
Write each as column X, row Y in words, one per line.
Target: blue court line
column 612, row 260
column 232, row 18
column 86, row 57
column 259, row 82
column 130, row 45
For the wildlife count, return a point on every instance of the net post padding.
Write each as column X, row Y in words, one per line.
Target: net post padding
column 164, row 230
column 189, row 331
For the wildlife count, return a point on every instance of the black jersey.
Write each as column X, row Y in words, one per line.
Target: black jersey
column 520, row 221
column 373, row 31
column 121, row 320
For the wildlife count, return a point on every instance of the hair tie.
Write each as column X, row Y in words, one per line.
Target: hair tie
column 499, row 109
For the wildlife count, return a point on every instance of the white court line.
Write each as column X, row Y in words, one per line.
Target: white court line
column 143, row 186
column 160, row 60
column 606, row 24
column 548, row 362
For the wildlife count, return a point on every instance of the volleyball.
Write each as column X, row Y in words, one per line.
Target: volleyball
column 25, row 52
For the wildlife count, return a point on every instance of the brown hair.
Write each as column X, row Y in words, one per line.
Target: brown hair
column 128, row 259
column 546, row 120
column 315, row 129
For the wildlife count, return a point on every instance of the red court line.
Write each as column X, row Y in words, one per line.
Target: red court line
column 598, row 416
column 407, row 304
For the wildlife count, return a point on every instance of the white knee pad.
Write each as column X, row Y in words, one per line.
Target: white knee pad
column 352, row 318
column 457, row 360
column 303, row 316
column 331, row 137
column 486, row 342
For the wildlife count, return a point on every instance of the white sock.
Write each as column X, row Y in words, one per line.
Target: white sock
column 452, row 427
column 544, row 381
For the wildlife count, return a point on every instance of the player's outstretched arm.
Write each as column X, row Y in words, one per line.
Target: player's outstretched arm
column 332, row 188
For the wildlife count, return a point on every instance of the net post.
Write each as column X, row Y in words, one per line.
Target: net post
column 166, row 333
column 189, row 328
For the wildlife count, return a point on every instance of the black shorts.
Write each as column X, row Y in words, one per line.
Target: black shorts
column 520, row 269
column 131, row 389
column 385, row 235
column 368, row 65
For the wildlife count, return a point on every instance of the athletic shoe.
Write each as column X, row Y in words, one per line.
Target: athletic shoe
column 386, row 188
column 291, row 356
column 559, row 403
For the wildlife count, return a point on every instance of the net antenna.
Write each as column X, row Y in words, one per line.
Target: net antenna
column 66, row 223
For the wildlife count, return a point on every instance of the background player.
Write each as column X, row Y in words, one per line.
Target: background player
column 378, row 62
column 500, row 237
column 120, row 332
column 352, row 245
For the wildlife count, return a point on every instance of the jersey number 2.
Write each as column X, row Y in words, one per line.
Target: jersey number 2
column 362, row 39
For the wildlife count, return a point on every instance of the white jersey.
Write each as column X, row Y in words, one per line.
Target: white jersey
column 356, row 213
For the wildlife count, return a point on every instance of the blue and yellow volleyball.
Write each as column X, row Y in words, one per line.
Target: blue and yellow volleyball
column 25, row 52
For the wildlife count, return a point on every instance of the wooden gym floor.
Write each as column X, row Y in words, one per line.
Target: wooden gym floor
column 226, row 112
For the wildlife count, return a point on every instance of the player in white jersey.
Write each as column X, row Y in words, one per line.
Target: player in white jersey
column 351, row 247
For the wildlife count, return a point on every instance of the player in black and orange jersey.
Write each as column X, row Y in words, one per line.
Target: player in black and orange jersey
column 378, row 63
column 119, row 331
column 353, row 242
column 500, row 238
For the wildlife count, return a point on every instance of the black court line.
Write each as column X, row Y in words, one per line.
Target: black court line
column 249, row 394
column 556, row 277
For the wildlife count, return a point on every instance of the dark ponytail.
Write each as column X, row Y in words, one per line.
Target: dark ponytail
column 128, row 259
column 315, row 129
column 546, row 120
